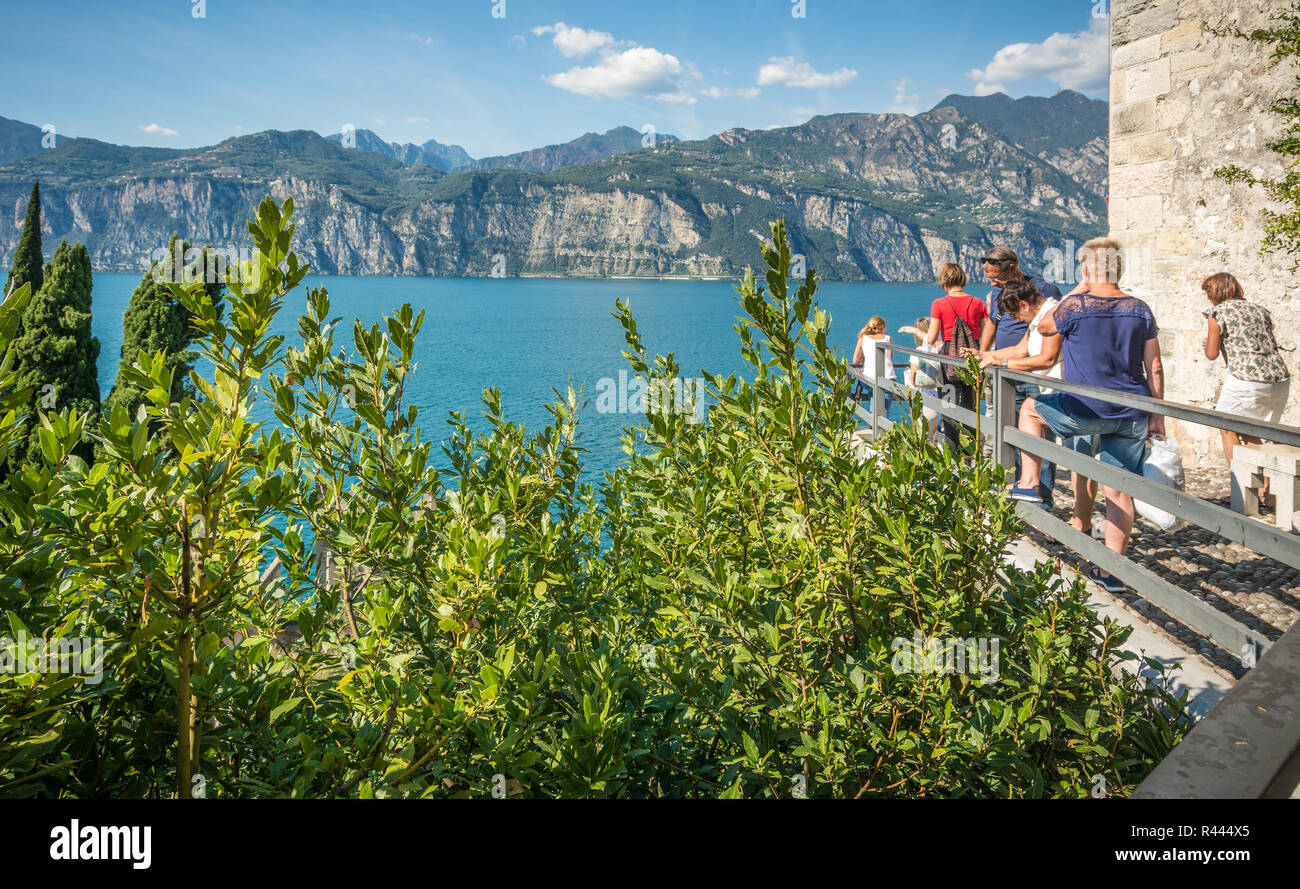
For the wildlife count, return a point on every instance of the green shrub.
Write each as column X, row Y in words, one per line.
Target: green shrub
column 722, row 615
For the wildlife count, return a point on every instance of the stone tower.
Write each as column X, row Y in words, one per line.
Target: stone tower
column 1185, row 102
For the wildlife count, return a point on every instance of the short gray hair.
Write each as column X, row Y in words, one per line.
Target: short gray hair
column 1006, row 255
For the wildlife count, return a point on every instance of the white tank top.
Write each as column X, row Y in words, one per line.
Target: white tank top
column 869, row 357
column 1036, row 339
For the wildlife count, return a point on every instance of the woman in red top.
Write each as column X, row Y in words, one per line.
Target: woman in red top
column 955, row 304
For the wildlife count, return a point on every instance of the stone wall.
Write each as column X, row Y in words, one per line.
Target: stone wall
column 1185, row 102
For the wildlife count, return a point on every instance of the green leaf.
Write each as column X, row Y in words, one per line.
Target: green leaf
column 284, row 708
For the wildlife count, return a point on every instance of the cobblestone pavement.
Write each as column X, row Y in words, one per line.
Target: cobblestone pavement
column 1257, row 591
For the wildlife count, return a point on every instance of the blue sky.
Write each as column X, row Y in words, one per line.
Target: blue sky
column 149, row 72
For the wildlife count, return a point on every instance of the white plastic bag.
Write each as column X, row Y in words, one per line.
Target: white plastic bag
column 927, row 372
column 859, row 442
column 1164, row 466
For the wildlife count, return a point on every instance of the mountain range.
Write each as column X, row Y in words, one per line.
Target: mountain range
column 431, row 154
column 866, row 196
column 582, row 150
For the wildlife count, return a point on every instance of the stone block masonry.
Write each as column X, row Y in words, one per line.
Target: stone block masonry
column 1185, row 102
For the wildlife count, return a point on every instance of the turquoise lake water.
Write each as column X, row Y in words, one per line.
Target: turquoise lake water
column 530, row 336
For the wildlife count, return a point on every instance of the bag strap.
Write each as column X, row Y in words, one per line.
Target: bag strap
column 962, row 315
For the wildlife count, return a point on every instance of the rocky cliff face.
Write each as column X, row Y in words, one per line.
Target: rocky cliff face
column 1068, row 130
column 558, row 230
column 877, row 197
column 1089, row 164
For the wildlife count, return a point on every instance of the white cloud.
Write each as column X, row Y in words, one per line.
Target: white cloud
column 154, row 129
column 722, row 92
column 904, row 102
column 417, row 120
column 575, row 42
column 1073, row 61
column 787, row 71
column 420, row 38
column 624, row 69
column 518, row 40
column 640, row 71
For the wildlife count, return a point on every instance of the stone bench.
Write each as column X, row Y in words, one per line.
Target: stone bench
column 1280, row 465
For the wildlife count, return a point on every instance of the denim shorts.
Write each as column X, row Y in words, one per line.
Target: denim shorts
column 1123, row 442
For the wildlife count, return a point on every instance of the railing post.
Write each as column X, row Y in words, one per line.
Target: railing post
column 326, row 568
column 877, row 390
column 1004, row 415
column 272, row 573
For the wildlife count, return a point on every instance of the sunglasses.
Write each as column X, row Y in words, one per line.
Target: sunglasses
column 989, row 260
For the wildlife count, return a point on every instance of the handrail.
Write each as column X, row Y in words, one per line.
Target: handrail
column 1006, row 437
column 1260, row 537
column 1224, row 629
column 1289, row 435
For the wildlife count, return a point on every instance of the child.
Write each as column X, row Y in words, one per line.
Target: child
column 924, row 375
column 865, row 357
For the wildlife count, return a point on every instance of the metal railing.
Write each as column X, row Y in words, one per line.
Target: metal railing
column 1249, row 745
column 1005, row 438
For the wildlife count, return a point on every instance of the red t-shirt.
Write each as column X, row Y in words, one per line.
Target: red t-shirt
column 947, row 308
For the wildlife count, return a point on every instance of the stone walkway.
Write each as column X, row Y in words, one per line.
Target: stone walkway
column 1257, row 591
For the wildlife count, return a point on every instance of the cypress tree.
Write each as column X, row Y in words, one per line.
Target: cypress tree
column 56, row 351
column 28, row 259
column 154, row 321
column 27, row 269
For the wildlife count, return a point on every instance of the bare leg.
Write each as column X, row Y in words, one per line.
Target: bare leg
column 1263, row 491
column 1089, row 489
column 1085, row 495
column 1031, row 465
column 1119, row 520
column 1230, row 441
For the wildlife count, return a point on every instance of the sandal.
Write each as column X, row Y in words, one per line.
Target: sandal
column 1110, row 583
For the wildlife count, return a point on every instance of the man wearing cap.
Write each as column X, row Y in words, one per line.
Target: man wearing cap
column 1001, row 265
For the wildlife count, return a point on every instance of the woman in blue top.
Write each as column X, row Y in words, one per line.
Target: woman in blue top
column 1110, row 341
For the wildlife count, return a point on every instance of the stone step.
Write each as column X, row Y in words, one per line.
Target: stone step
column 1279, row 458
column 1248, row 479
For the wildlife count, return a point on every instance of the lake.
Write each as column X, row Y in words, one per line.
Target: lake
column 529, row 336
